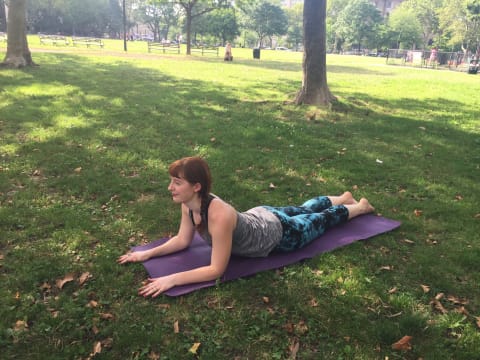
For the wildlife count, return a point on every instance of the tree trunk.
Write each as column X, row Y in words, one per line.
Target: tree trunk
column 314, row 89
column 18, row 55
column 3, row 17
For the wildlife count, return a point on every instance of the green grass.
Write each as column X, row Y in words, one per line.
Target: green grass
column 87, row 136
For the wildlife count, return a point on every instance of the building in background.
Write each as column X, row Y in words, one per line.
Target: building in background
column 386, row 6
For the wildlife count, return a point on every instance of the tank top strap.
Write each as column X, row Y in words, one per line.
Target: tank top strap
column 203, row 211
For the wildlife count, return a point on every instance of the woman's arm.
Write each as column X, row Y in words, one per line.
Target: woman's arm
column 179, row 242
column 221, row 222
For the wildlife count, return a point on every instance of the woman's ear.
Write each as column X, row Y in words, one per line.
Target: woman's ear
column 197, row 187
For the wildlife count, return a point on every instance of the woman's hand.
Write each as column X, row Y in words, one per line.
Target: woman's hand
column 156, row 286
column 136, row 256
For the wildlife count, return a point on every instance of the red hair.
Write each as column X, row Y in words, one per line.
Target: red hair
column 195, row 170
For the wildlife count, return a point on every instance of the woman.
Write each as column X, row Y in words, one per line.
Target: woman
column 256, row 232
column 228, row 52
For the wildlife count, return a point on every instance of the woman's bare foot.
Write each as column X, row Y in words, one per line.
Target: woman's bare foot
column 360, row 208
column 345, row 199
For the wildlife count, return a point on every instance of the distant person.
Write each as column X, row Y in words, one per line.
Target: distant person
column 228, row 52
column 433, row 57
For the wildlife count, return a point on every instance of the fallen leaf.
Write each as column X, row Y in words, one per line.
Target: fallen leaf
column 97, row 348
column 439, row 296
column 289, row 327
column 378, row 161
column 403, row 344
column 387, row 268
column 272, row 186
column 153, row 356
column 194, row 348
column 478, row 321
column 78, row 170
column 176, row 327
column 437, row 305
column 106, row 316
column 20, row 325
column 457, row 300
column 393, row 290
column 418, row 212
column 61, row 282
column 301, row 327
column 45, row 286
column 313, row 303
column 425, row 288
column 294, row 346
column 84, row 277
column 265, row 299
column 95, row 329
column 408, row 241
column 92, row 304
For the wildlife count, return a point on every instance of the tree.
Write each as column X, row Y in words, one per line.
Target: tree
column 220, row 23
column 18, row 54
column 195, row 8
column 268, row 20
column 426, row 12
column 314, row 88
column 405, row 28
column 359, row 22
column 460, row 19
column 295, row 22
column 3, row 17
column 159, row 17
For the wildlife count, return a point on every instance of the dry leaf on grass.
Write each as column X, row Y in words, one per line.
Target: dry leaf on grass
column 20, row 325
column 194, row 348
column 97, row 348
column 84, row 277
column 176, row 327
column 403, row 344
column 425, row 288
column 294, row 346
column 67, row 278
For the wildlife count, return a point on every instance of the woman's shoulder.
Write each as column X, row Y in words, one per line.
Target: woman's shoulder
column 220, row 209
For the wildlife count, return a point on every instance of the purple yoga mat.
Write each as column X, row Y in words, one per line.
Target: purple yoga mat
column 198, row 254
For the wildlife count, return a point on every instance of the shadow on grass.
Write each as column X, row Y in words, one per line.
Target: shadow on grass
column 87, row 143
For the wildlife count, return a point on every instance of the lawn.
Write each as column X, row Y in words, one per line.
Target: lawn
column 87, row 136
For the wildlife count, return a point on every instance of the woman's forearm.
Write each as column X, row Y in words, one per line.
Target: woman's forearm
column 171, row 246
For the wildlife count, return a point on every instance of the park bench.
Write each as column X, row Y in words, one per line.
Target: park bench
column 53, row 39
column 163, row 47
column 205, row 49
column 3, row 37
column 87, row 41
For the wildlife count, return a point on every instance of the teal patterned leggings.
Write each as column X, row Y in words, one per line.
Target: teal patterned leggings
column 303, row 224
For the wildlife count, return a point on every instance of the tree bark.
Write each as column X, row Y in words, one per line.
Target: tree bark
column 18, row 55
column 3, row 17
column 314, row 89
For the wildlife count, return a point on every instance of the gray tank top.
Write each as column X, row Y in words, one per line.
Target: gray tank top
column 257, row 233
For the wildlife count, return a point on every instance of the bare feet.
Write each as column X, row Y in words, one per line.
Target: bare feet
column 360, row 208
column 345, row 199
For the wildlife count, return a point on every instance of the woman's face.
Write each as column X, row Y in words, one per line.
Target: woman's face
column 182, row 190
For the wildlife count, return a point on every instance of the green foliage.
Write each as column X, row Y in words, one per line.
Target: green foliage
column 267, row 20
column 86, row 141
column 358, row 23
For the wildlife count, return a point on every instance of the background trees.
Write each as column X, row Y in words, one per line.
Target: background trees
column 351, row 24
